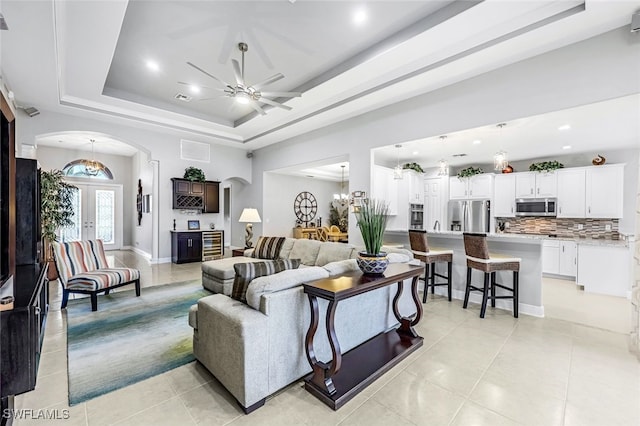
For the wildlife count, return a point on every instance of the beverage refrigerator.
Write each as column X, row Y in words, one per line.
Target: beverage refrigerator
column 469, row 215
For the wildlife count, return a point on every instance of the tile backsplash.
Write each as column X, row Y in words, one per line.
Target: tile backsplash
column 591, row 228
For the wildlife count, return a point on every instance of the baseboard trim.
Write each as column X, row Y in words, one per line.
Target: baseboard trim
column 160, row 260
column 475, row 297
column 138, row 251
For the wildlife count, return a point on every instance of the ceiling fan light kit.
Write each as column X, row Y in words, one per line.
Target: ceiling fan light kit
column 247, row 94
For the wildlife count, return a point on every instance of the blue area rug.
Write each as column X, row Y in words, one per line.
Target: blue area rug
column 129, row 338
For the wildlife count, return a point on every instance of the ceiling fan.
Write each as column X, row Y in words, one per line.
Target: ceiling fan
column 250, row 94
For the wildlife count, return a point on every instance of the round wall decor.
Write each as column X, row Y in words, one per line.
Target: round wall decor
column 305, row 207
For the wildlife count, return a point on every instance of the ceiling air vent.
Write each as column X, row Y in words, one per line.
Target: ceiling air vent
column 459, row 155
column 183, row 97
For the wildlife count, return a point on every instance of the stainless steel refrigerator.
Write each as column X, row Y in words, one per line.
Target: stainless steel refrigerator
column 469, row 215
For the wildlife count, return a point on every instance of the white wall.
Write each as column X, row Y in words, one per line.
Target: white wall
column 142, row 235
column 594, row 70
column 162, row 146
column 277, row 212
column 55, row 158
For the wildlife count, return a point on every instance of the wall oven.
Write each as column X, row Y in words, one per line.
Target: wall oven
column 536, row 207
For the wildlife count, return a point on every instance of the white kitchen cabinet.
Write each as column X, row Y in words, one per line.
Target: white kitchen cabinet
column 384, row 187
column 571, row 193
column 604, row 191
column 475, row 187
column 435, row 203
column 568, row 258
column 605, row 269
column 536, row 184
column 559, row 257
column 505, row 195
column 551, row 256
column 414, row 185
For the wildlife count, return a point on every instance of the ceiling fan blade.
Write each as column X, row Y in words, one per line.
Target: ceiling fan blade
column 282, row 94
column 206, row 73
column 257, row 108
column 267, row 81
column 237, row 72
column 274, row 103
column 203, row 87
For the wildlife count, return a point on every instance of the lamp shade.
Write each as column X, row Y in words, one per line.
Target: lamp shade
column 250, row 215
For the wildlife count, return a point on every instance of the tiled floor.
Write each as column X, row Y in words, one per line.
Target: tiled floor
column 496, row 371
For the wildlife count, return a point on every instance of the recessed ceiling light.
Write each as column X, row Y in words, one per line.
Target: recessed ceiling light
column 153, row 65
column 564, row 127
column 477, row 142
column 566, row 147
column 416, row 152
column 194, row 89
column 360, row 16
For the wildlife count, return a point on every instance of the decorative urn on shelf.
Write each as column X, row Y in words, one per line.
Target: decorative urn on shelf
column 372, row 221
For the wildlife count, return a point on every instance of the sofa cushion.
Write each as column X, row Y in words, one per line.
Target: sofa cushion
column 102, row 279
column 268, row 247
column 331, row 252
column 306, row 251
column 246, row 272
column 285, row 251
column 341, row 267
column 222, row 269
column 282, row 281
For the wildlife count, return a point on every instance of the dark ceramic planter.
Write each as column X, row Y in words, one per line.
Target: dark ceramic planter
column 372, row 264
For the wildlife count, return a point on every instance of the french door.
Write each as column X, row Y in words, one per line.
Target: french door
column 97, row 215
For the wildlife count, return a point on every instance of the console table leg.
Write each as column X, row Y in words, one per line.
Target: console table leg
column 407, row 323
column 321, row 376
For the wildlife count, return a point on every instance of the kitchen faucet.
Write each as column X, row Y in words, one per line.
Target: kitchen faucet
column 436, row 225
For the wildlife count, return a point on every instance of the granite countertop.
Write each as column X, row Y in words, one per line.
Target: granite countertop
column 578, row 240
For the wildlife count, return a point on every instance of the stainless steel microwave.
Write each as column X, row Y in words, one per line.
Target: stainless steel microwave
column 536, row 207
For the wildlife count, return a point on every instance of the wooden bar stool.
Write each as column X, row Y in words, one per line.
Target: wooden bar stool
column 478, row 257
column 421, row 250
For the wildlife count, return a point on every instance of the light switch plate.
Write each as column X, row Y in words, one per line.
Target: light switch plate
column 607, row 227
column 580, row 226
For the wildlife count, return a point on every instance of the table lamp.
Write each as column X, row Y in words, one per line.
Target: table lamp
column 249, row 216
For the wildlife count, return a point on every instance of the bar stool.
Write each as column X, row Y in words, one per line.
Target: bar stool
column 478, row 257
column 421, row 250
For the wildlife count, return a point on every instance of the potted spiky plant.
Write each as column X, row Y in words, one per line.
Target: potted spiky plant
column 371, row 218
column 56, row 210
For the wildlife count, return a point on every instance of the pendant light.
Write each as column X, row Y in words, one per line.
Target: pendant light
column 397, row 170
column 500, row 161
column 443, row 166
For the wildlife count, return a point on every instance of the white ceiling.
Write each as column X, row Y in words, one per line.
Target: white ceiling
column 75, row 56
column 81, row 141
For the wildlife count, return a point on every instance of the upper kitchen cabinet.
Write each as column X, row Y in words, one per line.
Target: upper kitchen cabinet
column 211, row 197
column 604, row 191
column 385, row 187
column 472, row 188
column 505, row 195
column 536, row 185
column 414, row 184
column 571, row 193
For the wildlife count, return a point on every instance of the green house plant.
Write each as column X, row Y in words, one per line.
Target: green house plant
column 545, row 166
column 413, row 166
column 371, row 218
column 194, row 174
column 469, row 171
column 56, row 210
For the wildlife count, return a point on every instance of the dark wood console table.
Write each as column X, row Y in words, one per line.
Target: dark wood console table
column 337, row 382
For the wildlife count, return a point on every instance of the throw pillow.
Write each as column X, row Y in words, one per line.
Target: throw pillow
column 246, row 272
column 268, row 247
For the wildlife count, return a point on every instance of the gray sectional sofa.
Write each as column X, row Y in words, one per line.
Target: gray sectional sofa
column 256, row 349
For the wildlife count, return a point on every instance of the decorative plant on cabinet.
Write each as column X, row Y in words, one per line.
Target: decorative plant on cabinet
column 372, row 221
column 56, row 210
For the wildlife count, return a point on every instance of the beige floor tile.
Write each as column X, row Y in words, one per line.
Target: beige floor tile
column 600, row 336
column 545, row 325
column 125, row 402
column 473, row 414
column 211, row 403
column 456, row 378
column 59, row 414
column 372, row 413
column 519, row 403
column 52, row 362
column 418, row 400
column 54, row 342
column 188, row 377
column 169, row 413
column 50, row 390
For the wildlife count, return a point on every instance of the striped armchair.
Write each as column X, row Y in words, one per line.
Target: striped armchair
column 82, row 268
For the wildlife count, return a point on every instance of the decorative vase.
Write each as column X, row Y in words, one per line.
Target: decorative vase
column 372, row 264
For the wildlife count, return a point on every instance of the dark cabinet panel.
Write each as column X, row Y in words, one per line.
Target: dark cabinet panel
column 182, row 187
column 211, row 197
column 23, row 329
column 27, row 212
column 186, row 247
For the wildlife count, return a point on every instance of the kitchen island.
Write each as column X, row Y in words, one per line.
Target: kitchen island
column 526, row 247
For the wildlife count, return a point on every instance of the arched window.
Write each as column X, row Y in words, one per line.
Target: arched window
column 87, row 168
